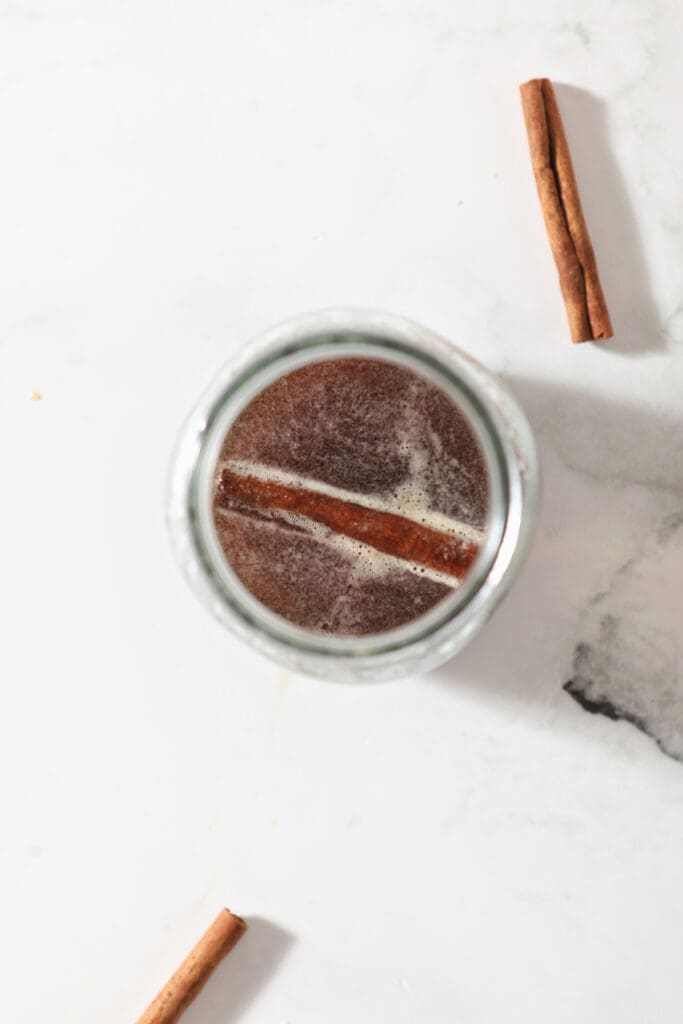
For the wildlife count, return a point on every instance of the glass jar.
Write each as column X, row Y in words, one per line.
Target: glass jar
column 510, row 456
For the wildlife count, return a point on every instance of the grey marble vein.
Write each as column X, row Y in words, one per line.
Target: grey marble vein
column 628, row 663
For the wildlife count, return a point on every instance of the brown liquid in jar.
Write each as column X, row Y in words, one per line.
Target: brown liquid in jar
column 351, row 496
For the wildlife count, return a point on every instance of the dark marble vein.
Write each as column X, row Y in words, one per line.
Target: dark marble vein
column 628, row 665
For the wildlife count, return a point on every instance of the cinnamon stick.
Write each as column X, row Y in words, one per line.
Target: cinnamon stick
column 564, row 220
column 194, row 971
column 384, row 531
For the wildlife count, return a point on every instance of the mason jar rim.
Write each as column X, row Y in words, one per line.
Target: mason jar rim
column 315, row 337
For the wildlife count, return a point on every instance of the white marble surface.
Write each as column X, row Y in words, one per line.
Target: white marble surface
column 472, row 846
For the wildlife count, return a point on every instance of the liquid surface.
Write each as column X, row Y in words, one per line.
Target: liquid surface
column 351, row 496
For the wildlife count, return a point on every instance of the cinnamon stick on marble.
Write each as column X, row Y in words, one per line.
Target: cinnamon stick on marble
column 194, row 971
column 559, row 196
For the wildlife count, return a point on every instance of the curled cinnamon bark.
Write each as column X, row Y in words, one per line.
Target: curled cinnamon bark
column 559, row 197
column 194, row 971
column 385, row 531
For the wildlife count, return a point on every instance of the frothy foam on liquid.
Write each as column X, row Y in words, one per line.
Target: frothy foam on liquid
column 351, row 496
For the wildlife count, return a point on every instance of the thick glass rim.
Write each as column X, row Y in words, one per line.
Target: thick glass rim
column 330, row 335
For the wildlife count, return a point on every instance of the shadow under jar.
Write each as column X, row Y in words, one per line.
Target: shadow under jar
column 353, row 496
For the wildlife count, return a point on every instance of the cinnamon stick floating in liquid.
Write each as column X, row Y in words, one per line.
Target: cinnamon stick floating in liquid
column 559, row 196
column 195, row 970
column 384, row 531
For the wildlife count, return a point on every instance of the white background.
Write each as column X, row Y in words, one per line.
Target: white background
column 471, row 846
